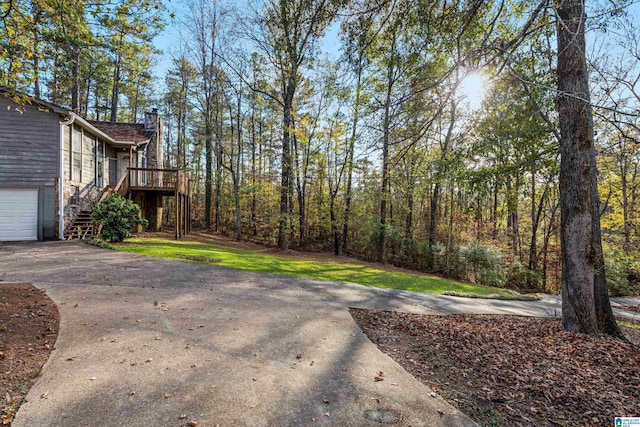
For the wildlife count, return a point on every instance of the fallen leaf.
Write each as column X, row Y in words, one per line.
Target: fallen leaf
column 71, row 359
column 167, row 395
column 377, row 378
column 7, row 420
column 192, row 423
column 182, row 417
column 45, row 395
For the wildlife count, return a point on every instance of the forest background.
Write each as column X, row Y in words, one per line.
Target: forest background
column 421, row 134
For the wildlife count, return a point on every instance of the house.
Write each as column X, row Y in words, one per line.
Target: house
column 54, row 163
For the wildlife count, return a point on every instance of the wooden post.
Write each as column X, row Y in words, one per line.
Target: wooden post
column 177, row 198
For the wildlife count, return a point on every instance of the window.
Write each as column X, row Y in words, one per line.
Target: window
column 76, row 155
column 100, row 163
column 74, row 195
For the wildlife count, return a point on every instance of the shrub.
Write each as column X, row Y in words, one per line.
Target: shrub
column 520, row 277
column 118, row 216
column 623, row 275
column 482, row 264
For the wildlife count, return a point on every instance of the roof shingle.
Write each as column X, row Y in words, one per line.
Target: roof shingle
column 123, row 132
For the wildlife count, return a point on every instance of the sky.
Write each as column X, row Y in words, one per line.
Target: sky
column 170, row 39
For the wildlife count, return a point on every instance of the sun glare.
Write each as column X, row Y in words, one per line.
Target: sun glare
column 473, row 88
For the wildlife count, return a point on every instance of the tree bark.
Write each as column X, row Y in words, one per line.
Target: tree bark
column 115, row 90
column 576, row 143
column 352, row 142
column 75, row 85
column 386, row 124
column 285, row 181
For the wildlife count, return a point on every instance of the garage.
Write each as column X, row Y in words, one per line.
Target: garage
column 18, row 214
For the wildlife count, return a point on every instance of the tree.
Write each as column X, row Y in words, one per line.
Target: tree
column 291, row 27
column 585, row 301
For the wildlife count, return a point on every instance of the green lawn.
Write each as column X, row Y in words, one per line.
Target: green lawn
column 325, row 269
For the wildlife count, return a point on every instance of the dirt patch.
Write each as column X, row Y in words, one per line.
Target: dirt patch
column 199, row 258
column 513, row 371
column 28, row 330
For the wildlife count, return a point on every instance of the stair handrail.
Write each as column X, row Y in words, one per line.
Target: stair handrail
column 123, row 185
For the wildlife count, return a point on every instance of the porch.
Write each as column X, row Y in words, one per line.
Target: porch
column 148, row 187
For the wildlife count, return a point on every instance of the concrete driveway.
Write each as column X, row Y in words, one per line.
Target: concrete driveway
column 154, row 342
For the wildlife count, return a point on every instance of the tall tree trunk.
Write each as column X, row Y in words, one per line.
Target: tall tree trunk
column 218, row 177
column 115, row 90
column 433, row 222
column 606, row 322
column 208, row 174
column 494, row 208
column 533, row 250
column 254, row 229
column 351, row 149
column 36, row 49
column 548, row 232
column 435, row 197
column 408, row 229
column 576, row 143
column 386, row 131
column 75, row 75
column 626, row 225
column 97, row 103
column 289, row 86
column 236, row 171
column 334, row 224
column 55, row 81
column 87, row 94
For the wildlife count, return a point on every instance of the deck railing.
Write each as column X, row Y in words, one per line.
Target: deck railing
column 158, row 179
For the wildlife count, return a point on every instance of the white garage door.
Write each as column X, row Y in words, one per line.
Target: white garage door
column 18, row 214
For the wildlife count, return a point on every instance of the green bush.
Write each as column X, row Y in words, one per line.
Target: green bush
column 623, row 276
column 482, row 264
column 118, row 216
column 520, row 277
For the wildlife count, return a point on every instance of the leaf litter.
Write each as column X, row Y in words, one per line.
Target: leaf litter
column 513, row 371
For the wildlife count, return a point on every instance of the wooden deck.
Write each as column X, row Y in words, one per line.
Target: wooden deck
column 147, row 187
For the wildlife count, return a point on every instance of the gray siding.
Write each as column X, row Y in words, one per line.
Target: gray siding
column 29, row 146
column 30, row 157
column 88, row 158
